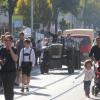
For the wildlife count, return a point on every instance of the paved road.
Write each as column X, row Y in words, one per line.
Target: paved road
column 57, row 85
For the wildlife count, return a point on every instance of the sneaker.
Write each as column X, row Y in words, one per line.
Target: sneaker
column 27, row 89
column 22, row 89
column 1, row 89
column 87, row 95
column 16, row 84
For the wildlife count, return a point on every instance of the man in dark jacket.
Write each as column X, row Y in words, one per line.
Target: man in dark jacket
column 8, row 59
column 95, row 51
column 19, row 46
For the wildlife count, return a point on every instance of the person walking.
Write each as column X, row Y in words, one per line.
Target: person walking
column 1, row 46
column 89, row 75
column 38, row 51
column 8, row 59
column 19, row 46
column 26, row 62
column 94, row 53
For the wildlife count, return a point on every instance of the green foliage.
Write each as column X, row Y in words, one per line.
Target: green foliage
column 3, row 2
column 42, row 12
column 64, row 25
column 92, row 14
column 23, row 8
column 3, row 5
column 45, row 11
column 82, row 3
column 67, row 6
column 64, row 6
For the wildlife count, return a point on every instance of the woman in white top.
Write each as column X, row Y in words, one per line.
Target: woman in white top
column 89, row 75
column 26, row 62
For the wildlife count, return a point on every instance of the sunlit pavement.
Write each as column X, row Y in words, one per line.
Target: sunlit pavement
column 57, row 85
column 18, row 95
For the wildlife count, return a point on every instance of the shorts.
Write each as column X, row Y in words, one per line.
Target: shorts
column 26, row 68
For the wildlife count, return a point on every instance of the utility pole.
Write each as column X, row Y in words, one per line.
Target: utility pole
column 56, row 20
column 10, row 15
column 33, row 35
column 56, row 13
column 11, row 6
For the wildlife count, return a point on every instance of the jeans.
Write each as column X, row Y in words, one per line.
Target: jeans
column 87, row 86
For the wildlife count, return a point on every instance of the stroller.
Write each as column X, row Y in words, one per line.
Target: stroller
column 96, row 86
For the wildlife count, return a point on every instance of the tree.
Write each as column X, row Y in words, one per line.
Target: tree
column 91, row 14
column 4, row 4
column 43, row 12
column 8, row 5
column 46, row 11
column 64, row 6
column 23, row 8
column 64, row 25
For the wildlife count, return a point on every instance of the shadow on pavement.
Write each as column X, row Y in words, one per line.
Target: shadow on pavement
column 63, row 73
column 34, row 78
column 29, row 93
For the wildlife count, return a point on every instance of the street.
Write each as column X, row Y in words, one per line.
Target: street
column 55, row 34
column 57, row 85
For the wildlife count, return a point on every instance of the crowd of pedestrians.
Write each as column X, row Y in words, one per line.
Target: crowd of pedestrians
column 19, row 45
column 88, row 70
column 12, row 70
column 18, row 58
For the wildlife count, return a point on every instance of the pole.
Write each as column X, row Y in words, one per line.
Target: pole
column 33, row 35
column 56, row 20
column 10, row 15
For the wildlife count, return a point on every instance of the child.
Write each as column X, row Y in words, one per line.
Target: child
column 26, row 62
column 89, row 75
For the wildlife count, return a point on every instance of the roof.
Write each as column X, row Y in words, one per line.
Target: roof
column 79, row 30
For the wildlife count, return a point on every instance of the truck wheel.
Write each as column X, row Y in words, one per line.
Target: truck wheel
column 70, row 68
column 46, row 69
column 42, row 68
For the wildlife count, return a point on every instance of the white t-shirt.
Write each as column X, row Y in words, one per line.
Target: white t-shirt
column 26, row 58
column 88, row 74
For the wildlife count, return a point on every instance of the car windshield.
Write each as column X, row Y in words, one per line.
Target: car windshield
column 83, row 40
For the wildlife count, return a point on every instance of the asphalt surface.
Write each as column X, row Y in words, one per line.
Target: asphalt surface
column 57, row 85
